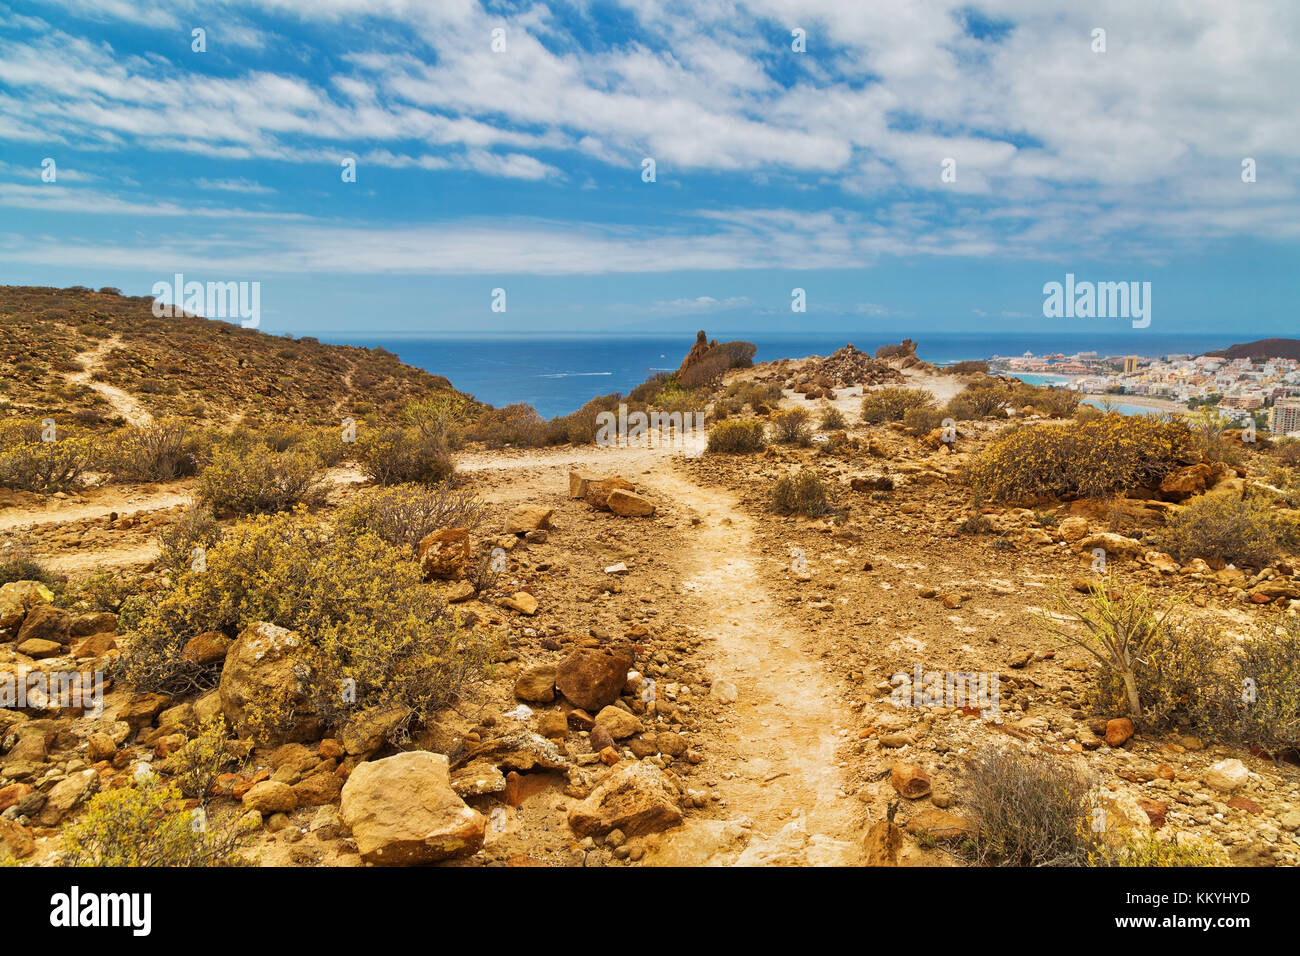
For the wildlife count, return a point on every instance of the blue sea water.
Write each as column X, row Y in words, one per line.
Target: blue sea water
column 558, row 374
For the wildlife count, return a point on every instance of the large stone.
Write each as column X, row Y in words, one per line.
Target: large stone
column 15, row 840
column 910, row 780
column 628, row 504
column 636, row 798
column 402, row 810
column 45, row 622
column 536, row 684
column 1192, row 480
column 520, row 601
column 1227, row 775
column 592, row 678
column 67, row 795
column 445, row 554
column 1115, row 545
column 93, row 622
column 262, row 672
column 578, row 485
column 369, row 729
column 18, row 597
column 882, row 844
column 1118, row 730
column 270, row 796
column 599, row 490
column 207, row 648
column 38, row 648
column 618, row 723
column 141, row 709
column 318, row 789
column 525, row 518
column 1073, row 528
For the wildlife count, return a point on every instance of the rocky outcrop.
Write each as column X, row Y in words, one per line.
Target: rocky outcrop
column 263, row 672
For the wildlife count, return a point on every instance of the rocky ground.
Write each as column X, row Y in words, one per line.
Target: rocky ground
column 706, row 684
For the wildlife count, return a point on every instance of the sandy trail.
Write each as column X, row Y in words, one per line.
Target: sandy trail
column 774, row 752
column 779, row 775
column 124, row 403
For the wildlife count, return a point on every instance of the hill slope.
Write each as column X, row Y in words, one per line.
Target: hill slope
column 1262, row 348
column 103, row 355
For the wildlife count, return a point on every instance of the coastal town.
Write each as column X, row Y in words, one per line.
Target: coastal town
column 1263, row 390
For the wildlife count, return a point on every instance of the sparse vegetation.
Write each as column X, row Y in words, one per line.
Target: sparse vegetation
column 791, row 427
column 736, row 436
column 405, row 514
column 891, row 404
column 803, row 493
column 1226, row 526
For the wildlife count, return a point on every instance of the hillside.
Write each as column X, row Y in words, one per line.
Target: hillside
column 1262, row 348
column 98, row 355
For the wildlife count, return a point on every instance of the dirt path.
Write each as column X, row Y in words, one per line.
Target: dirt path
column 124, row 403
column 779, row 775
column 773, row 754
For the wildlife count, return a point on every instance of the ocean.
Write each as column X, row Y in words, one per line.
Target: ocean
column 558, row 374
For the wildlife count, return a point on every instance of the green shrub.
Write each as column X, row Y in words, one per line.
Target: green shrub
column 832, row 419
column 891, row 403
column 1081, row 459
column 17, row 565
column 358, row 603
column 106, row 591
column 791, row 427
column 1223, row 525
column 46, row 467
column 922, row 420
column 145, row 825
column 406, row 514
column 803, row 493
column 516, row 425
column 1268, row 685
column 239, row 482
column 397, row 454
column 985, row 398
column 969, row 367
column 738, row 435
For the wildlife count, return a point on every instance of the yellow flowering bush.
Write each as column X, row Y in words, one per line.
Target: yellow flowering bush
column 146, row 825
column 358, row 602
column 1081, row 459
column 30, row 464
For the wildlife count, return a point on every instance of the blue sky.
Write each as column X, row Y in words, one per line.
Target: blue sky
column 521, row 168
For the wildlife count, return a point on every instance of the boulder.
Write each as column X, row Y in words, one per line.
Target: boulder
column 618, row 723
column 599, row 490
column 207, row 648
column 910, row 780
column 261, row 671
column 369, row 729
column 637, row 798
column 45, row 622
column 1073, row 528
column 536, row 684
column 94, row 622
column 1227, row 775
column 318, row 790
column 578, row 485
column 1115, row 545
column 591, row 678
column 402, row 810
column 445, row 554
column 18, row 597
column 628, row 504
column 96, row 645
column 270, row 796
column 1192, row 480
column 15, row 840
column 525, row 518
column 67, row 795
column 1118, row 731
column 38, row 648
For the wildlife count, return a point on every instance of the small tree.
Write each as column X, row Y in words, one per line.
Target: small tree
column 1119, row 626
